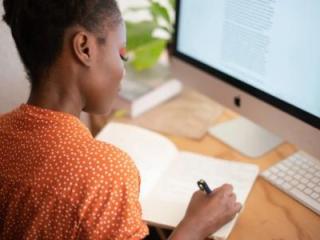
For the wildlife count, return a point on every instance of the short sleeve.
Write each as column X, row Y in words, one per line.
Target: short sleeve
column 112, row 211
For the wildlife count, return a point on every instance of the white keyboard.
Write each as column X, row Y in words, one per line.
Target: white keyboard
column 298, row 176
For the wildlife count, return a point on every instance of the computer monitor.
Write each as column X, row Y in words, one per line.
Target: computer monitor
column 260, row 58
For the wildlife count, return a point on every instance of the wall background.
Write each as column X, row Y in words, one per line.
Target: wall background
column 14, row 87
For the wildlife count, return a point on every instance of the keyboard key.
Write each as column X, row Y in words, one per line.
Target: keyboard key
column 274, row 170
column 290, row 172
column 308, row 175
column 273, row 177
column 315, row 195
column 294, row 182
column 279, row 181
column 301, row 186
column 309, row 165
column 286, row 186
column 302, row 172
column 312, row 170
column 311, row 185
column 315, row 180
column 288, row 178
column 307, row 191
column 317, row 189
column 305, row 166
column 298, row 177
column 304, row 180
column 282, row 167
column 294, row 168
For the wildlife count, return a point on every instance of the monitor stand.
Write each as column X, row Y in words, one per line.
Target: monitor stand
column 246, row 137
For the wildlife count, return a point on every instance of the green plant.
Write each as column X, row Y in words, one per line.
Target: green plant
column 144, row 46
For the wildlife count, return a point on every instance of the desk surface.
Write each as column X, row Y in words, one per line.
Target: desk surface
column 269, row 213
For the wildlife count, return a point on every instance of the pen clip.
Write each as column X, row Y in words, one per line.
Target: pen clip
column 203, row 186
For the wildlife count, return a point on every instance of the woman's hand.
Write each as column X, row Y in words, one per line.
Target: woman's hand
column 206, row 213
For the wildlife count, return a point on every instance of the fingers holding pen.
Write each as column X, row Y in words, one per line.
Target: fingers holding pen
column 228, row 198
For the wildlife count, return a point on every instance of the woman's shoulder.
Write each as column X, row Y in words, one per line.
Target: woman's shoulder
column 113, row 153
column 112, row 158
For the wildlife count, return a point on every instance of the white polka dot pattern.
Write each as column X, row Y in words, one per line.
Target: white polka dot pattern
column 58, row 182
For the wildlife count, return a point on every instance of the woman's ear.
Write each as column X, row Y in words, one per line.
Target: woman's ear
column 83, row 47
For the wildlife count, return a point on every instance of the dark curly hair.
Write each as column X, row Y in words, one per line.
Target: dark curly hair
column 38, row 27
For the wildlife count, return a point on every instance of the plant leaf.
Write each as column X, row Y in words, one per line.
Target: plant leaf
column 136, row 9
column 173, row 3
column 139, row 34
column 159, row 11
column 147, row 55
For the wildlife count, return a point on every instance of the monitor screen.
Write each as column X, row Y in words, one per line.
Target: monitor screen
column 271, row 46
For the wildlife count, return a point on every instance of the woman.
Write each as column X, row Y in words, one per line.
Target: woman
column 56, row 180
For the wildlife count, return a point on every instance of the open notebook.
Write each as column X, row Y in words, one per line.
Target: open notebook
column 169, row 177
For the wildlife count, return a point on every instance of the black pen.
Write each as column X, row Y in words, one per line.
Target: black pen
column 204, row 186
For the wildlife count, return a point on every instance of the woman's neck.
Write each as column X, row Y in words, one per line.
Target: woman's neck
column 59, row 94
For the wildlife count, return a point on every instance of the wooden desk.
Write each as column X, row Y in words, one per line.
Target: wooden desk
column 269, row 214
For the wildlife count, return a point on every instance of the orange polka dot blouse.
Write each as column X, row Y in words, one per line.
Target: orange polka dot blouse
column 58, row 182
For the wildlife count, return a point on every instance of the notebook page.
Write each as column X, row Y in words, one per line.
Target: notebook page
column 167, row 203
column 151, row 152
